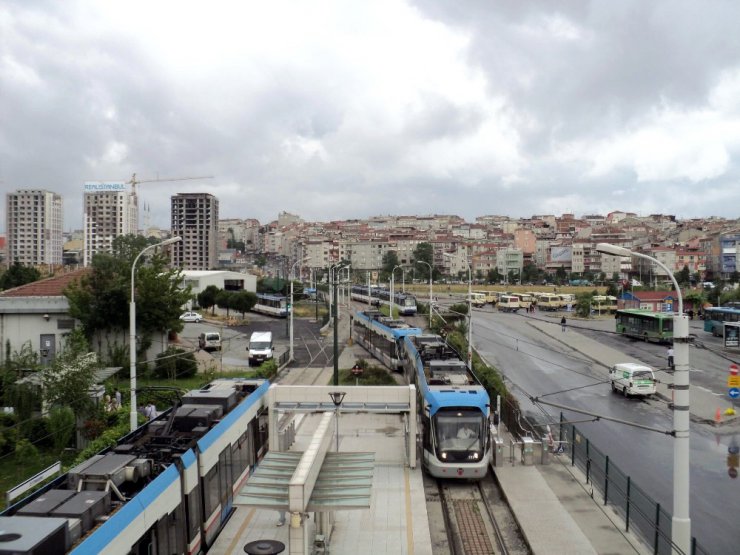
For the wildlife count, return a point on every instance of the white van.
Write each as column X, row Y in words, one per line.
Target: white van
column 210, row 341
column 632, row 379
column 508, row 303
column 260, row 347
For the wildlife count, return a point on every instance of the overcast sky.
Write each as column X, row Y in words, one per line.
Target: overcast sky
column 349, row 109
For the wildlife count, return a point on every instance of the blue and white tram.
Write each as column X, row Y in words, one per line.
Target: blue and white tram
column 455, row 409
column 272, row 305
column 382, row 336
column 366, row 294
column 165, row 488
column 404, row 303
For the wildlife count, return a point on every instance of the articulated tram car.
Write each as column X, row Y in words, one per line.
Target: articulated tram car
column 382, row 336
column 404, row 303
column 165, row 488
column 455, row 409
column 272, row 305
column 365, row 294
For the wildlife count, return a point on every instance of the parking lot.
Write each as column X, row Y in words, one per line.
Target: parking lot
column 308, row 345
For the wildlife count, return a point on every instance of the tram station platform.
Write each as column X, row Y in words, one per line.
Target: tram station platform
column 396, row 522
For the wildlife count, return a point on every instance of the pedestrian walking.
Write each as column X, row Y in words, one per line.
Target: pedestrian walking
column 670, row 358
column 150, row 411
column 281, row 519
column 562, row 323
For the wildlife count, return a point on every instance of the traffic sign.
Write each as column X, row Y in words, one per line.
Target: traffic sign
column 356, row 370
column 732, row 472
column 733, row 449
column 733, row 392
column 733, row 381
column 733, row 369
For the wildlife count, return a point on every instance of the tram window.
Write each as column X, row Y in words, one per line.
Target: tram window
column 211, row 493
column 224, row 473
column 194, row 518
column 163, row 536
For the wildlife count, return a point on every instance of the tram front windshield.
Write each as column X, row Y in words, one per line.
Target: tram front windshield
column 459, row 430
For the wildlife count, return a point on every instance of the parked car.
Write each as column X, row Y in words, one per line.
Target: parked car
column 191, row 317
column 210, row 341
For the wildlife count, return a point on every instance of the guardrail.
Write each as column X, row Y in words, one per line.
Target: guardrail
column 641, row 513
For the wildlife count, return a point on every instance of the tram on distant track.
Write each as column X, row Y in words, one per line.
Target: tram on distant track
column 167, row 487
column 403, row 303
column 272, row 305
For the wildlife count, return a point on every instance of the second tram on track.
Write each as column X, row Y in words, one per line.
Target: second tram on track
column 454, row 407
column 404, row 303
column 382, row 336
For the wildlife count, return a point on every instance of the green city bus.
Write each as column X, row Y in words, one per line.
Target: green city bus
column 645, row 324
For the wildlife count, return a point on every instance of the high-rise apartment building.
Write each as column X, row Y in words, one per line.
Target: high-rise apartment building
column 34, row 227
column 109, row 212
column 195, row 219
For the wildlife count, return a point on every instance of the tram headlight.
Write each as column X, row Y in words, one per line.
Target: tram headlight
column 443, row 456
column 474, row 455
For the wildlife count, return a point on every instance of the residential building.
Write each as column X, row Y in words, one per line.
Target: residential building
column 195, row 219
column 109, row 211
column 510, row 260
column 729, row 251
column 34, row 227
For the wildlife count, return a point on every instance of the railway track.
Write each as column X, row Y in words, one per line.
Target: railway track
column 477, row 520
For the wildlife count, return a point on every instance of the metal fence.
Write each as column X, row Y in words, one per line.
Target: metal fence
column 641, row 513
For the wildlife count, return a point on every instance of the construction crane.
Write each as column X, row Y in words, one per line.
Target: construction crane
column 133, row 181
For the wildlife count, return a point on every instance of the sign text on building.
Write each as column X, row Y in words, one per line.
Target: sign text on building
column 95, row 186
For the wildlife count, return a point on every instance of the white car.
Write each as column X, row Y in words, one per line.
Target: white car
column 191, row 317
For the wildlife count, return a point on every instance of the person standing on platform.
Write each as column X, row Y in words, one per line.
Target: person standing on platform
column 670, row 358
column 563, row 323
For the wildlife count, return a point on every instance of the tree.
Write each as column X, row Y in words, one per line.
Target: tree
column 18, row 275
column 225, row 299
column 424, row 253
column 560, row 275
column 70, row 376
column 390, row 261
column 243, row 301
column 530, row 273
column 207, row 298
column 611, row 289
column 583, row 304
column 100, row 299
column 493, row 276
column 683, row 277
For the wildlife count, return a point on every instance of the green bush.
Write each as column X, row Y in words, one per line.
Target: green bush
column 175, row 363
column 267, row 369
column 62, row 427
column 37, row 432
column 26, row 454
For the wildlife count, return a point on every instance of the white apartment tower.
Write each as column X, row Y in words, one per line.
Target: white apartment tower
column 34, row 227
column 195, row 219
column 109, row 212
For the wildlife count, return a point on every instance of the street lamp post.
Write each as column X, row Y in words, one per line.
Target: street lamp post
column 132, row 328
column 470, row 311
column 393, row 292
column 681, row 522
column 337, row 397
column 290, row 275
column 431, row 271
column 333, row 284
